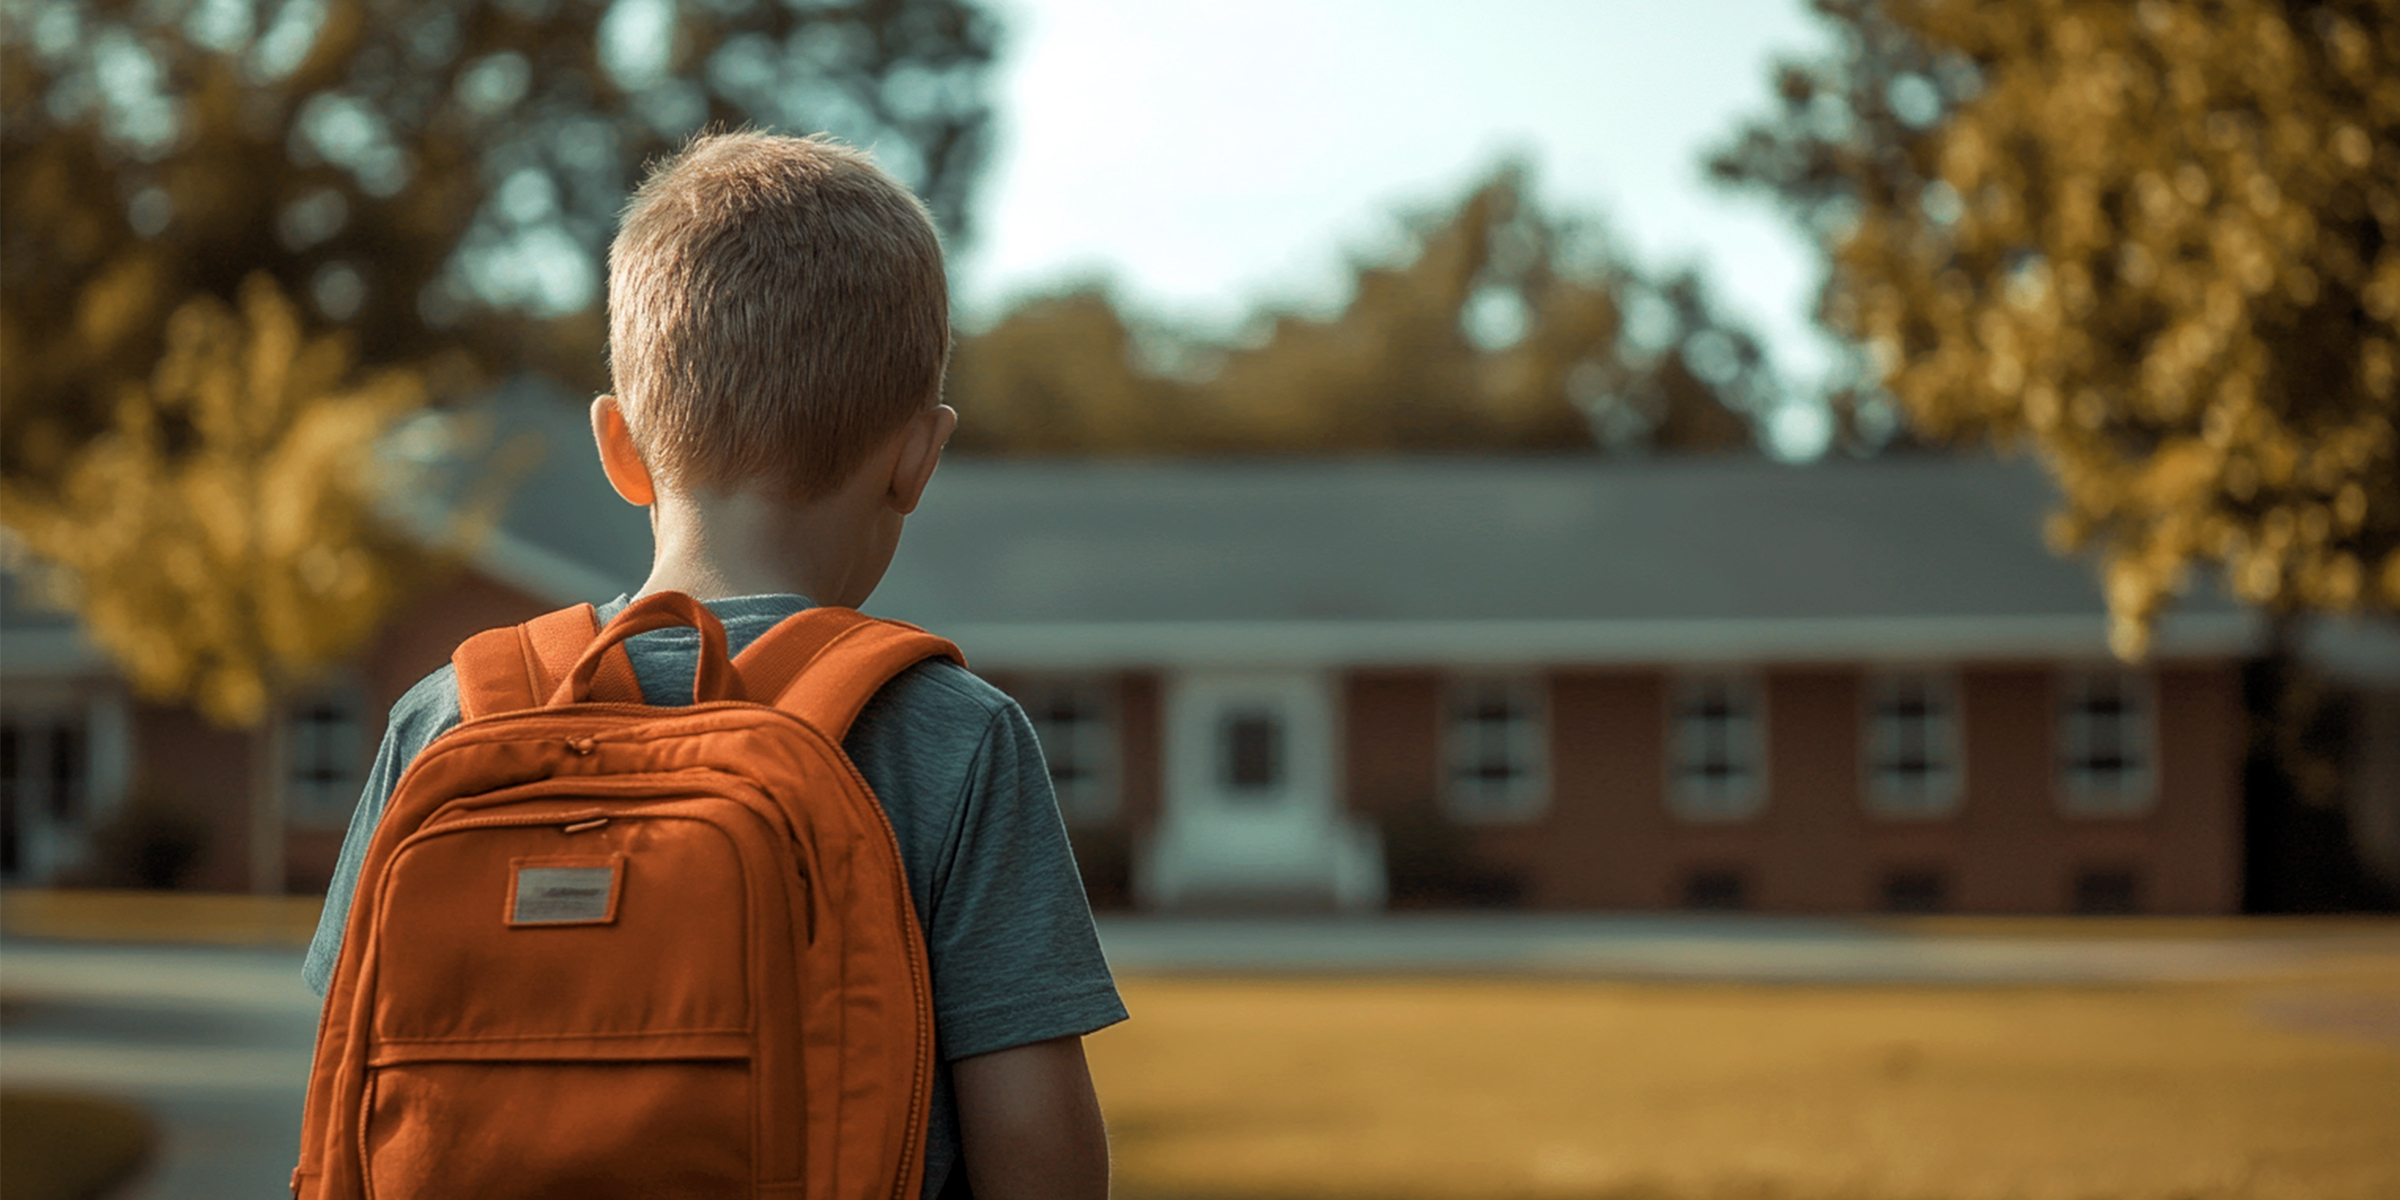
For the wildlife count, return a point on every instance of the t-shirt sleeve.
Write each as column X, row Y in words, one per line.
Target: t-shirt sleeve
column 1016, row 957
column 423, row 714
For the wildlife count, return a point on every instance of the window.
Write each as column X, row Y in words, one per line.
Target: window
column 324, row 755
column 1916, row 890
column 45, row 775
column 2105, row 764
column 1250, row 753
column 12, row 849
column 1076, row 721
column 1716, row 889
column 1496, row 750
column 1913, row 745
column 2112, row 891
column 1717, row 752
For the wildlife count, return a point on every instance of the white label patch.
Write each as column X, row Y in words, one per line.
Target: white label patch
column 564, row 895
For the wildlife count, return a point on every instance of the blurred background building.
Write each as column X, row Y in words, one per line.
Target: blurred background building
column 1310, row 685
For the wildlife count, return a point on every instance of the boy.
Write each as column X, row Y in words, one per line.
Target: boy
column 778, row 328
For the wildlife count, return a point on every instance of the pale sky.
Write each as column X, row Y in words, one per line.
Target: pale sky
column 1208, row 156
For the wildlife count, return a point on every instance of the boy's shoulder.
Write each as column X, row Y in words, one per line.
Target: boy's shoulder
column 940, row 691
column 425, row 711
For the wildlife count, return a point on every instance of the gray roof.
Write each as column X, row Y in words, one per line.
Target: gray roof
column 1482, row 539
column 1438, row 559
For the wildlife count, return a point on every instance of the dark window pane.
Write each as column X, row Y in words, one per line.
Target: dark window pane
column 1716, row 890
column 1253, row 751
column 10, row 851
column 1916, row 892
column 66, row 772
column 2108, row 892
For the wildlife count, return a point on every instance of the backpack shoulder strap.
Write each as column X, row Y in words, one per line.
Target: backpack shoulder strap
column 822, row 665
column 518, row 666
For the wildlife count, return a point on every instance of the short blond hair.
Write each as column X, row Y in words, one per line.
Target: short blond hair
column 776, row 309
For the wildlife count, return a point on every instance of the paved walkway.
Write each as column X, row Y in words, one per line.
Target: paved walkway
column 1738, row 949
column 213, row 1041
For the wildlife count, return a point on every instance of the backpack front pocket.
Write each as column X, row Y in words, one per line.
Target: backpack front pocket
column 569, row 1131
column 513, row 932
column 562, row 1006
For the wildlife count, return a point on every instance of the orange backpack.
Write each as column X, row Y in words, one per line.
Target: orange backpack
column 600, row 949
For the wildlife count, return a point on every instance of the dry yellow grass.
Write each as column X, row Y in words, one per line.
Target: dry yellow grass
column 166, row 917
column 1471, row 1089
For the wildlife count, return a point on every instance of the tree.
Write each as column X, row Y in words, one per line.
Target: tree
column 1498, row 327
column 417, row 190
column 2159, row 243
column 216, row 537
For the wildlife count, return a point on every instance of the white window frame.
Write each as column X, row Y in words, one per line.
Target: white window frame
column 1717, row 719
column 1914, row 763
column 2088, row 737
column 53, row 749
column 1076, row 718
column 62, row 739
column 325, row 763
column 1496, row 749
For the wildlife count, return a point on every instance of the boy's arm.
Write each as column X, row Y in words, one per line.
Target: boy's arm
column 1031, row 1123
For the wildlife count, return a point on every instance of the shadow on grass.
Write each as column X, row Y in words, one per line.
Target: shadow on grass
column 63, row 1146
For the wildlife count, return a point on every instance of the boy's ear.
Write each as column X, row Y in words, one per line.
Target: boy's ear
column 618, row 454
column 921, row 442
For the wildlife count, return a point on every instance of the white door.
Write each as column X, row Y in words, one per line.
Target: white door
column 1253, row 811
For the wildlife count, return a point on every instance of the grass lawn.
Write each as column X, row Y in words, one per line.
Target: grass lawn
column 62, row 1146
column 2270, row 1089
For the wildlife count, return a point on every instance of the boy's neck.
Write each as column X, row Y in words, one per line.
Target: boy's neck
column 747, row 543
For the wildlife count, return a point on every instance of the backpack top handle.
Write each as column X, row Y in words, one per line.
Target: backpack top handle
column 712, row 679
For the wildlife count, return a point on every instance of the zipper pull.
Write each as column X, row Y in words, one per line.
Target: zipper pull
column 580, row 826
column 582, row 745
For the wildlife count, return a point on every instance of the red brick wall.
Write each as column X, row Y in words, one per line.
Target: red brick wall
column 2201, row 732
column 1604, row 765
column 1390, row 751
column 2008, row 818
column 187, row 766
column 1607, row 791
column 308, row 860
column 1140, row 754
column 2020, row 853
column 1607, row 840
column 1811, row 840
column 419, row 639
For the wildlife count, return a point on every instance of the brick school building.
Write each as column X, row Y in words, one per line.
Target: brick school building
column 1555, row 683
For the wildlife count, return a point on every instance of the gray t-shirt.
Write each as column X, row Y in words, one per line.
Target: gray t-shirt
column 1008, row 935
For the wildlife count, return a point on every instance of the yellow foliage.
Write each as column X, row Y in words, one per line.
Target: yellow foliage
column 221, row 535
column 2160, row 244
